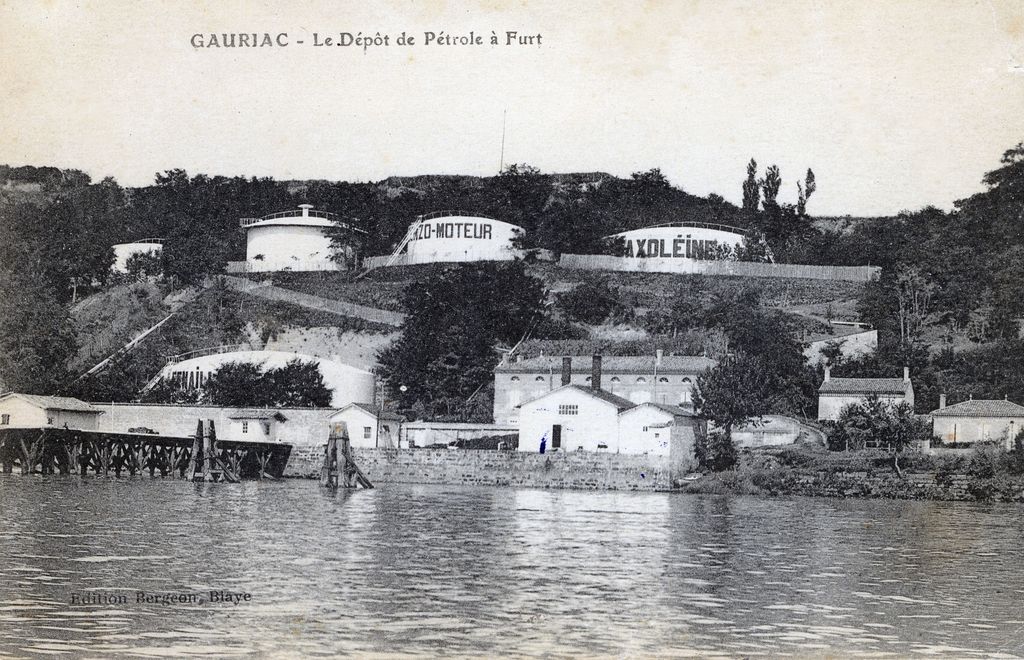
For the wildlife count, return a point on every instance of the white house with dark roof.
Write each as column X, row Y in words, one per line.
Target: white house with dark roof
column 574, row 417
column 658, row 378
column 978, row 420
column 370, row 426
column 838, row 393
column 37, row 411
column 255, row 425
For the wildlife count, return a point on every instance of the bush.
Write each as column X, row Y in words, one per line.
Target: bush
column 594, row 302
column 714, row 451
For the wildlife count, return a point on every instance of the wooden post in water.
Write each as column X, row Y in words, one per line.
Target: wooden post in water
column 211, row 461
column 329, row 471
column 349, row 464
column 196, row 459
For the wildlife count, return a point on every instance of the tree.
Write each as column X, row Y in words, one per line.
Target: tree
column 37, row 338
column 751, row 190
column 593, row 302
column 875, row 423
column 804, row 191
column 456, row 316
column 297, row 384
column 913, row 299
column 729, row 395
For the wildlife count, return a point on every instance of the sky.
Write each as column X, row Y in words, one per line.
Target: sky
column 894, row 105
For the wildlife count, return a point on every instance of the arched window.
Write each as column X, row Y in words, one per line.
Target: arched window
column 687, row 381
column 663, row 380
column 616, row 379
column 515, row 379
column 641, row 379
column 588, row 379
column 539, row 379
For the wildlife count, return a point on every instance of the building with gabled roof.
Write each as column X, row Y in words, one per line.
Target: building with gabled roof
column 659, row 378
column 369, row 426
column 978, row 420
column 38, row 411
column 574, row 417
column 834, row 394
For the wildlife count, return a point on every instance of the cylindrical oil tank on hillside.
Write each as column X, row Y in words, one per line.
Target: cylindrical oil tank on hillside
column 348, row 384
column 456, row 236
column 294, row 240
column 688, row 241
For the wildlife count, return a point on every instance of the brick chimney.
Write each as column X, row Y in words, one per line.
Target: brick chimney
column 566, row 370
column 595, row 373
column 942, row 401
column 906, row 374
column 828, row 374
column 658, row 354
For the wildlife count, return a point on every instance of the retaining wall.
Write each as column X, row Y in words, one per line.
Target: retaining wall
column 721, row 268
column 583, row 470
column 339, row 307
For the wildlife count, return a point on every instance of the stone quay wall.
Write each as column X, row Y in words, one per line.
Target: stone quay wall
column 579, row 470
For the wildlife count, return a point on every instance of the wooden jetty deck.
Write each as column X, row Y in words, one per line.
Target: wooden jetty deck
column 199, row 458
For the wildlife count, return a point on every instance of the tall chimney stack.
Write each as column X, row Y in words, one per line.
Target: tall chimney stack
column 942, row 401
column 658, row 354
column 906, row 374
column 828, row 373
column 566, row 370
column 595, row 373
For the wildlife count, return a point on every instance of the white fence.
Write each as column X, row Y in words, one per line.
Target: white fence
column 724, row 268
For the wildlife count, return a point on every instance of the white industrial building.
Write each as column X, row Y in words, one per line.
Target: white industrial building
column 657, row 378
column 295, row 240
column 577, row 418
column 346, row 382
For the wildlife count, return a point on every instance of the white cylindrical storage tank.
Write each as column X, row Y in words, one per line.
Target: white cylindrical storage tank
column 455, row 236
column 125, row 251
column 686, row 241
column 348, row 384
column 292, row 240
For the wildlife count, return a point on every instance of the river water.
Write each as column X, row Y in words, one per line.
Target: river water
column 447, row 571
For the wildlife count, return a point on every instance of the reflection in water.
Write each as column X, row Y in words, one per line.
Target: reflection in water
column 428, row 570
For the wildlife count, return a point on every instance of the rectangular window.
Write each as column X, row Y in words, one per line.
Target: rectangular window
column 245, row 427
column 367, row 432
column 568, row 409
column 49, row 420
column 5, row 420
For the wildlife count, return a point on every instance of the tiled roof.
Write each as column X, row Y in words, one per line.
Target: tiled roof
column 629, row 364
column 672, row 410
column 378, row 413
column 261, row 414
column 864, row 386
column 55, row 402
column 614, row 399
column 981, row 408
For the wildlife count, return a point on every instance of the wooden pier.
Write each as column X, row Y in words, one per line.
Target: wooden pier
column 199, row 458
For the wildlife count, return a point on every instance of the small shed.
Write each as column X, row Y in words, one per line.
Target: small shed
column 369, row 425
column 38, row 411
column 259, row 425
column 657, row 429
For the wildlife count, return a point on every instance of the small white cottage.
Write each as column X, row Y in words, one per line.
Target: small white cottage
column 261, row 425
column 369, row 426
column 37, row 411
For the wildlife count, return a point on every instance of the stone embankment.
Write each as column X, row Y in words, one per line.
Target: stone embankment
column 500, row 468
